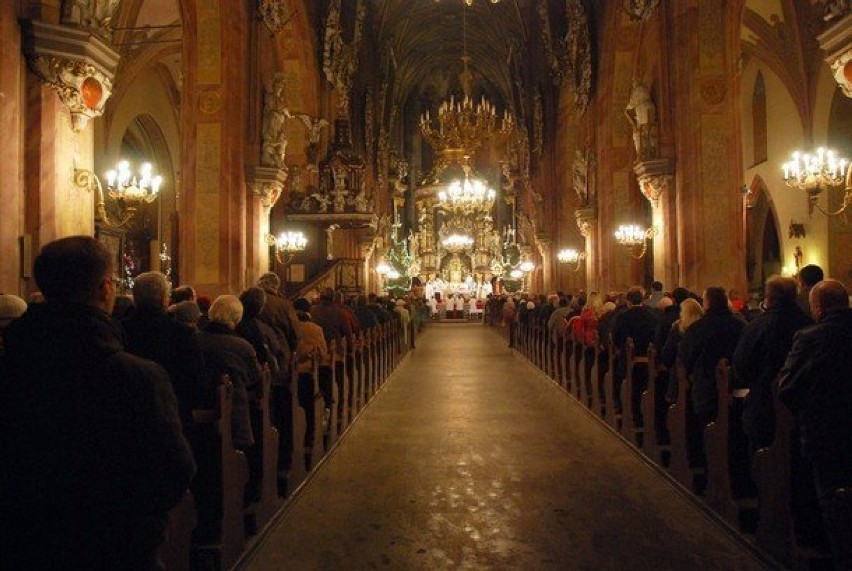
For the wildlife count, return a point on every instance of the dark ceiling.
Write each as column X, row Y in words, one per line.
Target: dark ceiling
column 423, row 40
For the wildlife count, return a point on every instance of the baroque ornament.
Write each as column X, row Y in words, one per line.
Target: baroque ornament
column 639, row 9
column 274, row 14
column 91, row 15
column 340, row 58
column 82, row 87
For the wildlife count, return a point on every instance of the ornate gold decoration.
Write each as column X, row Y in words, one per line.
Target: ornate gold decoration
column 340, row 58
column 586, row 220
column 654, row 176
column 274, row 14
column 266, row 182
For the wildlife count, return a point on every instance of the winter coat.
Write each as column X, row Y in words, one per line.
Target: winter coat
column 92, row 451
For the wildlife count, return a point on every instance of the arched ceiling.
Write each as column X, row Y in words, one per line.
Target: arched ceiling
column 424, row 41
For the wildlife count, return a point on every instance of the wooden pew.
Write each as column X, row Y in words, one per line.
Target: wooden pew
column 344, row 388
column 718, row 493
column 677, row 424
column 233, row 478
column 651, row 446
column 267, row 439
column 772, row 473
column 174, row 553
column 582, row 379
column 630, row 427
column 297, row 464
column 611, row 416
column 595, row 378
column 577, row 374
column 565, row 363
column 330, row 433
column 316, row 451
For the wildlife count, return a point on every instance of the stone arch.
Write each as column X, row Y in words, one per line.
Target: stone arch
column 763, row 241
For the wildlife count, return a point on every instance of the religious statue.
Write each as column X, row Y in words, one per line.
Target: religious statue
column 642, row 114
column 322, row 203
column 413, row 243
column 340, row 59
column 314, row 128
column 362, row 203
column 93, row 15
column 275, row 115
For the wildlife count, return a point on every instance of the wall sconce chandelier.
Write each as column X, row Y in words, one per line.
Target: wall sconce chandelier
column 287, row 245
column 819, row 172
column 129, row 191
column 571, row 256
column 635, row 238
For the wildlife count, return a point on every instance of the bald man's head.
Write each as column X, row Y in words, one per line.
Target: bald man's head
column 827, row 296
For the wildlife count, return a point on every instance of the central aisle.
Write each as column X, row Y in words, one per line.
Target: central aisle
column 470, row 459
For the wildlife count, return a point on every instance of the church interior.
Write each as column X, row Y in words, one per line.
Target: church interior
column 456, row 149
column 669, row 122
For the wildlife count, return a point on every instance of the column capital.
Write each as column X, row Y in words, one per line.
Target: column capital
column 77, row 65
column 266, row 183
column 654, row 176
column 586, row 220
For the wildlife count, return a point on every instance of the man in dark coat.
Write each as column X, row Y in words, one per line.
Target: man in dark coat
column 276, row 313
column 92, row 452
column 760, row 354
column 151, row 333
column 639, row 323
column 809, row 276
column 816, row 384
column 669, row 315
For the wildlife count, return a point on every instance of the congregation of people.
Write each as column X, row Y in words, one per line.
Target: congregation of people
column 100, row 391
column 794, row 346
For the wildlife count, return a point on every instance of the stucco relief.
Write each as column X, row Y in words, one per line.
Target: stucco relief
column 713, row 90
column 210, row 100
column 81, row 87
column 209, row 43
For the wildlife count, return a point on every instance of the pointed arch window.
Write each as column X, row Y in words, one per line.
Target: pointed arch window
column 758, row 116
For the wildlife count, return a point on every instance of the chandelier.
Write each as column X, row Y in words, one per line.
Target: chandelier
column 123, row 185
column 818, row 172
column 467, row 197
column 635, row 238
column 455, row 243
column 465, row 124
column 287, row 245
column 470, row 2
column 571, row 256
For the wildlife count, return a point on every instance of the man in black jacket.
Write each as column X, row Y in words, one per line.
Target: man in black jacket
column 151, row 333
column 760, row 354
column 638, row 323
column 816, row 384
column 91, row 445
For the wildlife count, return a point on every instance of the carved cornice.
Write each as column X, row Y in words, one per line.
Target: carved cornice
column 654, row 177
column 837, row 43
column 76, row 64
column 266, row 183
column 586, row 220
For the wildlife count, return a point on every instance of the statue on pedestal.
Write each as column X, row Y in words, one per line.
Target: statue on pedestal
column 275, row 115
column 642, row 114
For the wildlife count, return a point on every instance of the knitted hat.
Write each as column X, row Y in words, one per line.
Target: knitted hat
column 11, row 306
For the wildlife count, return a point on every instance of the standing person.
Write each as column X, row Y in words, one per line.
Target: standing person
column 93, row 455
column 760, row 354
column 704, row 344
column 639, row 323
column 816, row 386
column 809, row 276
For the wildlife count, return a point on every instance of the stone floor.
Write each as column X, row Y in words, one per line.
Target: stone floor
column 470, row 459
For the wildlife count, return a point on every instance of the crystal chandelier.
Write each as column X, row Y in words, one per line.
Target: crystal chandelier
column 470, row 2
column 287, row 245
column 463, row 125
column 467, row 197
column 818, row 172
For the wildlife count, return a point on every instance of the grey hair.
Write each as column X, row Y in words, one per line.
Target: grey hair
column 151, row 289
column 269, row 280
column 226, row 309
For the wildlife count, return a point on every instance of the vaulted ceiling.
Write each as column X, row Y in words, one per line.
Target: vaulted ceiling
column 424, row 41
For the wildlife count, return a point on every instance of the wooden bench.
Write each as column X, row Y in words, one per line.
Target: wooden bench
column 298, row 473
column 611, row 415
column 565, row 363
column 631, row 427
column 652, row 447
column 174, row 553
column 596, row 377
column 772, row 474
column 678, row 432
column 718, row 493
column 232, row 478
column 267, row 441
column 315, row 452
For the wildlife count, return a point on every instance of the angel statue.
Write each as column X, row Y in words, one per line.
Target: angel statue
column 275, row 115
column 314, row 127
